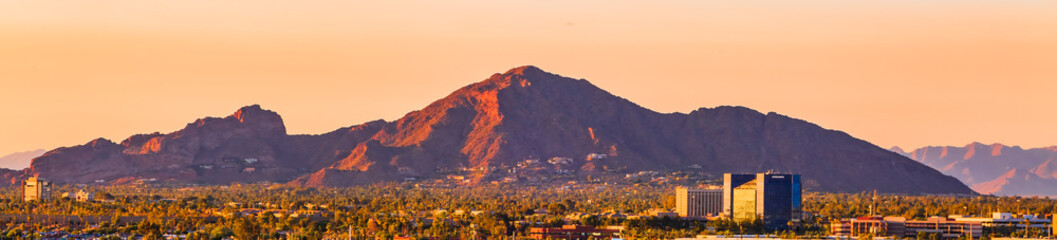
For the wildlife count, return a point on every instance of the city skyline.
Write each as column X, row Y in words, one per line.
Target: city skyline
column 528, row 119
column 901, row 73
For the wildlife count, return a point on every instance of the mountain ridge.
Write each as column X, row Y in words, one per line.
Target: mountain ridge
column 20, row 160
column 524, row 113
column 994, row 168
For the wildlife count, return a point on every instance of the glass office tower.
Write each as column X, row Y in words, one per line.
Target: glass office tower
column 773, row 198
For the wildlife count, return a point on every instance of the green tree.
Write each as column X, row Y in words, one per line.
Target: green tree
column 246, row 229
column 220, row 232
column 557, row 208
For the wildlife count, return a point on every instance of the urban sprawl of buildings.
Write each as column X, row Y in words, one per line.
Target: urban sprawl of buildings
column 772, row 198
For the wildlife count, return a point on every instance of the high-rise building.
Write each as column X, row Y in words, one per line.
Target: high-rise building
column 698, row 203
column 739, row 196
column 773, row 198
column 36, row 188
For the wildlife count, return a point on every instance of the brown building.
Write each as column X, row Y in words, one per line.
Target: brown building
column 575, row 232
column 698, row 203
column 900, row 227
column 946, row 227
column 877, row 226
column 36, row 189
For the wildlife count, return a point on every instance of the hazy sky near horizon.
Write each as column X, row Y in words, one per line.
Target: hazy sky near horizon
column 893, row 72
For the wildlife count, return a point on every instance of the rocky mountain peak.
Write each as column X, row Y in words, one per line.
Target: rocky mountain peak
column 254, row 116
column 525, row 70
column 250, row 112
column 100, row 142
column 249, row 120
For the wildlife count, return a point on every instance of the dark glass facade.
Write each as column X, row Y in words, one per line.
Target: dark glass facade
column 773, row 198
column 778, row 201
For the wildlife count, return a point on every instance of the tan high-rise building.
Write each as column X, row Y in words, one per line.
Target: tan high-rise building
column 36, row 188
column 698, row 203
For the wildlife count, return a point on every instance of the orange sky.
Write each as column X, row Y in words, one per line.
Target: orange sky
column 893, row 72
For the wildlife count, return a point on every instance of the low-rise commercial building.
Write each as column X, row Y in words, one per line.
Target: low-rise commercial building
column 876, row 226
column 1004, row 219
column 573, row 232
column 698, row 203
column 946, row 228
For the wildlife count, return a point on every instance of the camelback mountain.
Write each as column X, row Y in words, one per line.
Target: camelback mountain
column 523, row 115
column 995, row 169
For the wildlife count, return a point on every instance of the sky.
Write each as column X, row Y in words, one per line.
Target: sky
column 894, row 72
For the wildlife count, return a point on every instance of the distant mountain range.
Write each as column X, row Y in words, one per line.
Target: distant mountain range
column 20, row 160
column 522, row 114
column 995, row 169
